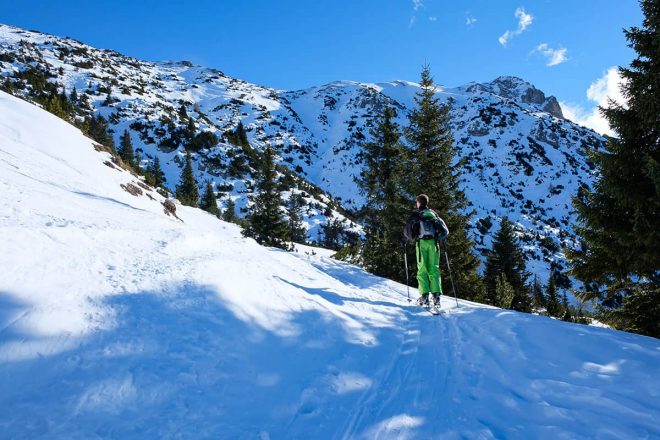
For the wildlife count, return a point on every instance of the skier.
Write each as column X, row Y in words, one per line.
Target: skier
column 427, row 229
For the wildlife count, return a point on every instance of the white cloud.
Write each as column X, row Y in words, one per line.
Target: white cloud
column 524, row 21
column 554, row 56
column 417, row 5
column 504, row 39
column 599, row 92
column 432, row 18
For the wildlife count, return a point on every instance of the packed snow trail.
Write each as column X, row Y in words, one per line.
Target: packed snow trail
column 117, row 321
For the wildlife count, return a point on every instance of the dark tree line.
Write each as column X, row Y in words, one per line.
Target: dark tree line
column 619, row 258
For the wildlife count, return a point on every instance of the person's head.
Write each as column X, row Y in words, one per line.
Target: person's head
column 422, row 201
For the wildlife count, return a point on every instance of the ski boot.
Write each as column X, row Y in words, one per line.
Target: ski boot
column 436, row 300
column 423, row 301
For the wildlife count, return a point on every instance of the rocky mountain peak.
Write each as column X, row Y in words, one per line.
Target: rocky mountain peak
column 518, row 89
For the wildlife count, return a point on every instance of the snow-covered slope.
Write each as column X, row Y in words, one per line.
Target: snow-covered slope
column 522, row 159
column 118, row 321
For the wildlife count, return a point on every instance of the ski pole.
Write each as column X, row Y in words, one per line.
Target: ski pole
column 451, row 278
column 405, row 261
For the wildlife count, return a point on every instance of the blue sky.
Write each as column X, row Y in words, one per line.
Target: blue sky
column 291, row 44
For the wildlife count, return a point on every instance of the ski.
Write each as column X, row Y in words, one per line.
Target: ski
column 433, row 310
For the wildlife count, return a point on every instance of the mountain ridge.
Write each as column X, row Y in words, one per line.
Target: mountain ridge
column 520, row 157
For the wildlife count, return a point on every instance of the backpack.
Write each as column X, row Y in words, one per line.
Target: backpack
column 427, row 228
column 421, row 226
column 431, row 226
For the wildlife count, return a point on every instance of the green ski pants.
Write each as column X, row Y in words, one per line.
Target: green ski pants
column 428, row 270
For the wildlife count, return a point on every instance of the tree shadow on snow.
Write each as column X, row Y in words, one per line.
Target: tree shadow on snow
column 338, row 299
column 181, row 364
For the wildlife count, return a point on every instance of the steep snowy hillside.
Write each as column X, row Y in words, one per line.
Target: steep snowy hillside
column 522, row 159
column 119, row 321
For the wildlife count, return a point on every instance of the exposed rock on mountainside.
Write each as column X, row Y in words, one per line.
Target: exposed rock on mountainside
column 520, row 158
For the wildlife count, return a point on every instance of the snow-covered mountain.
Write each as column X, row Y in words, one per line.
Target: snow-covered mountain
column 120, row 321
column 522, row 158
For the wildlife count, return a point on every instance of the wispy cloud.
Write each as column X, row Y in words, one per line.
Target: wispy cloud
column 432, row 18
column 524, row 21
column 599, row 93
column 417, row 5
column 554, row 56
column 504, row 38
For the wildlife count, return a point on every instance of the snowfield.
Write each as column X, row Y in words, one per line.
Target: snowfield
column 118, row 321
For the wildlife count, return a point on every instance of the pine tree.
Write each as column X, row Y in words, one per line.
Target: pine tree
column 209, row 202
column 157, row 173
column 183, row 114
column 187, row 191
column 242, row 135
column 566, row 309
column 506, row 258
column 504, row 292
column 618, row 219
column 138, row 164
column 54, row 106
column 553, row 307
column 98, row 129
column 538, row 298
column 430, row 169
column 230, row 211
column 297, row 232
column 385, row 208
column 126, row 149
column 331, row 233
column 265, row 222
column 189, row 134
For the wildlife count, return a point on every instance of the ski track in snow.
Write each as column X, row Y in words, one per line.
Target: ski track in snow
column 119, row 322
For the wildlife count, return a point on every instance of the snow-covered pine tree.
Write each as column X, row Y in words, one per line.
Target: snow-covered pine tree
column 430, row 169
column 186, row 190
column 265, row 222
column 209, row 202
column 386, row 206
column 506, row 258
column 618, row 220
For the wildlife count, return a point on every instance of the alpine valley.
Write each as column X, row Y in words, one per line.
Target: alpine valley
column 127, row 315
column 518, row 155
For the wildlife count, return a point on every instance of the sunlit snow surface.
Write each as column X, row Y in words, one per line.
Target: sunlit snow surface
column 117, row 321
